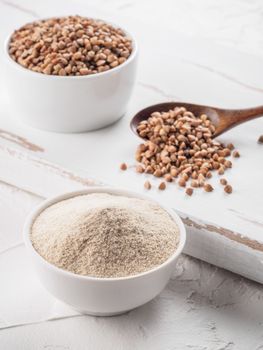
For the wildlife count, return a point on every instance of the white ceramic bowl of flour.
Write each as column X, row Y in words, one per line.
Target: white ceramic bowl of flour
column 102, row 296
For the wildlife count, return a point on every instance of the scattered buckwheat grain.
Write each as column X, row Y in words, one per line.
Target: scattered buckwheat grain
column 123, row 166
column 139, row 169
column 182, row 183
column 236, row 154
column 230, row 146
column 208, row 188
column 162, row 186
column 189, row 191
column 228, row 189
column 221, row 171
column 194, row 183
column 260, row 139
column 147, row 185
column 223, row 182
column 228, row 164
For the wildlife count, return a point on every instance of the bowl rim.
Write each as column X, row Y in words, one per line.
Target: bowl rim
column 109, row 190
column 18, row 66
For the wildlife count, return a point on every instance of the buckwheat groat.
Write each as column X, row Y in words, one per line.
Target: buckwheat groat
column 72, row 45
column 180, row 144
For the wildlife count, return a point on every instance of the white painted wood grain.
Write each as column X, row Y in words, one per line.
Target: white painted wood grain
column 15, row 204
column 193, row 70
column 37, row 175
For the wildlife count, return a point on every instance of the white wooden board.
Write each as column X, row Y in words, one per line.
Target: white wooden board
column 224, row 230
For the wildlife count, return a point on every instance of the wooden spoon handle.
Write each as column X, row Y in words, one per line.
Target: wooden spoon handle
column 238, row 116
column 233, row 117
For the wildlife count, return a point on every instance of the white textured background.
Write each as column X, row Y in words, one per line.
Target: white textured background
column 203, row 307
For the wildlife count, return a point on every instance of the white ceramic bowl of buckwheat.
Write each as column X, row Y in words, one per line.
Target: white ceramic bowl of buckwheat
column 102, row 296
column 69, row 103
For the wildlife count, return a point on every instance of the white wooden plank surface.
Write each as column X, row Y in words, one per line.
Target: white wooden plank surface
column 37, row 175
column 205, row 307
column 192, row 70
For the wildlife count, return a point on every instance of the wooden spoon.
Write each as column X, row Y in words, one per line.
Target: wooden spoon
column 223, row 119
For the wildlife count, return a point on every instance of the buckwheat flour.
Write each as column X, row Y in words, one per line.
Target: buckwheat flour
column 105, row 235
